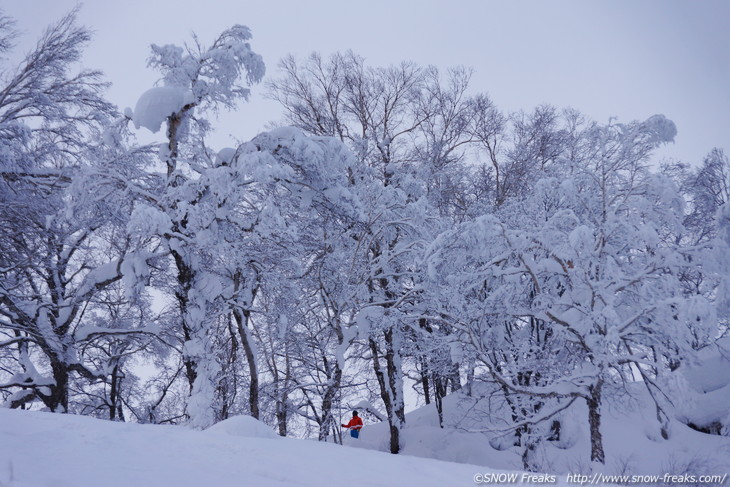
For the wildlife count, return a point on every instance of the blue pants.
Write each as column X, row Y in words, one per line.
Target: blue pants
column 354, row 433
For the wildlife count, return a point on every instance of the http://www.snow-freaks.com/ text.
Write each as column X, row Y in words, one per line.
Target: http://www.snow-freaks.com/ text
column 597, row 478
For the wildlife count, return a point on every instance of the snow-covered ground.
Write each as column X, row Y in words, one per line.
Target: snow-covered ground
column 40, row 449
column 53, row 450
column 631, row 434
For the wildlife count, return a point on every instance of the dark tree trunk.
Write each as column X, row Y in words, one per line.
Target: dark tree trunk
column 470, row 379
column 115, row 403
column 185, row 276
column 328, row 420
column 594, row 419
column 388, row 391
column 281, row 414
column 439, row 394
column 528, row 449
column 455, row 378
column 394, row 373
column 57, row 401
column 282, row 394
column 185, row 273
column 242, row 319
column 424, row 380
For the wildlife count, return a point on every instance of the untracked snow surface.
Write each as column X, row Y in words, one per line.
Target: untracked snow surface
column 54, row 450
column 631, row 437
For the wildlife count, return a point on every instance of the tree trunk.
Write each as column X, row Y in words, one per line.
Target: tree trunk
column 185, row 276
column 282, row 411
column 424, row 380
column 58, row 400
column 281, row 414
column 455, row 378
column 388, row 389
column 242, row 318
column 282, row 401
column 395, row 375
column 527, row 442
column 439, row 394
column 327, row 402
column 470, row 378
column 594, row 419
column 115, row 403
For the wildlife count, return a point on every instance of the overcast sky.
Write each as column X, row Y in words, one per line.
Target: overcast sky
column 627, row 58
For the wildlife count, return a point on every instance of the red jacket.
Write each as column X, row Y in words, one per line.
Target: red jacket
column 355, row 423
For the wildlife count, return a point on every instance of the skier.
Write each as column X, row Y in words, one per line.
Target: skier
column 354, row 425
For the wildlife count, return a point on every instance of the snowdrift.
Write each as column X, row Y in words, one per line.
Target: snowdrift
column 54, row 450
column 631, row 434
column 42, row 449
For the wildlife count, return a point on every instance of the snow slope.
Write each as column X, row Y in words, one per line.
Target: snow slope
column 631, row 434
column 53, row 450
column 632, row 439
column 43, row 449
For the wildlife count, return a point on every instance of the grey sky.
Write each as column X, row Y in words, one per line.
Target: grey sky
column 629, row 59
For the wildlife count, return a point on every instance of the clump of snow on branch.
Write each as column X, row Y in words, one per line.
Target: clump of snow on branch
column 156, row 104
column 660, row 128
column 213, row 74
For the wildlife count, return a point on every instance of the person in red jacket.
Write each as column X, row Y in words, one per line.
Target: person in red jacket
column 354, row 425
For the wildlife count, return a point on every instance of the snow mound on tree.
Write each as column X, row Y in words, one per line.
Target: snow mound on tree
column 244, row 426
column 225, row 156
column 661, row 128
column 156, row 104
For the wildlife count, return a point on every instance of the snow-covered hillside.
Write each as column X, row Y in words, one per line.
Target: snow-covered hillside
column 43, row 450
column 632, row 437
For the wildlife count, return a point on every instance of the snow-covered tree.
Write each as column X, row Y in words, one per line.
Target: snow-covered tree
column 404, row 127
column 61, row 246
column 595, row 260
column 298, row 199
column 201, row 79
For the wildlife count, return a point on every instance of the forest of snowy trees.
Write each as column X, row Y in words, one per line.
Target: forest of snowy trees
column 398, row 237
